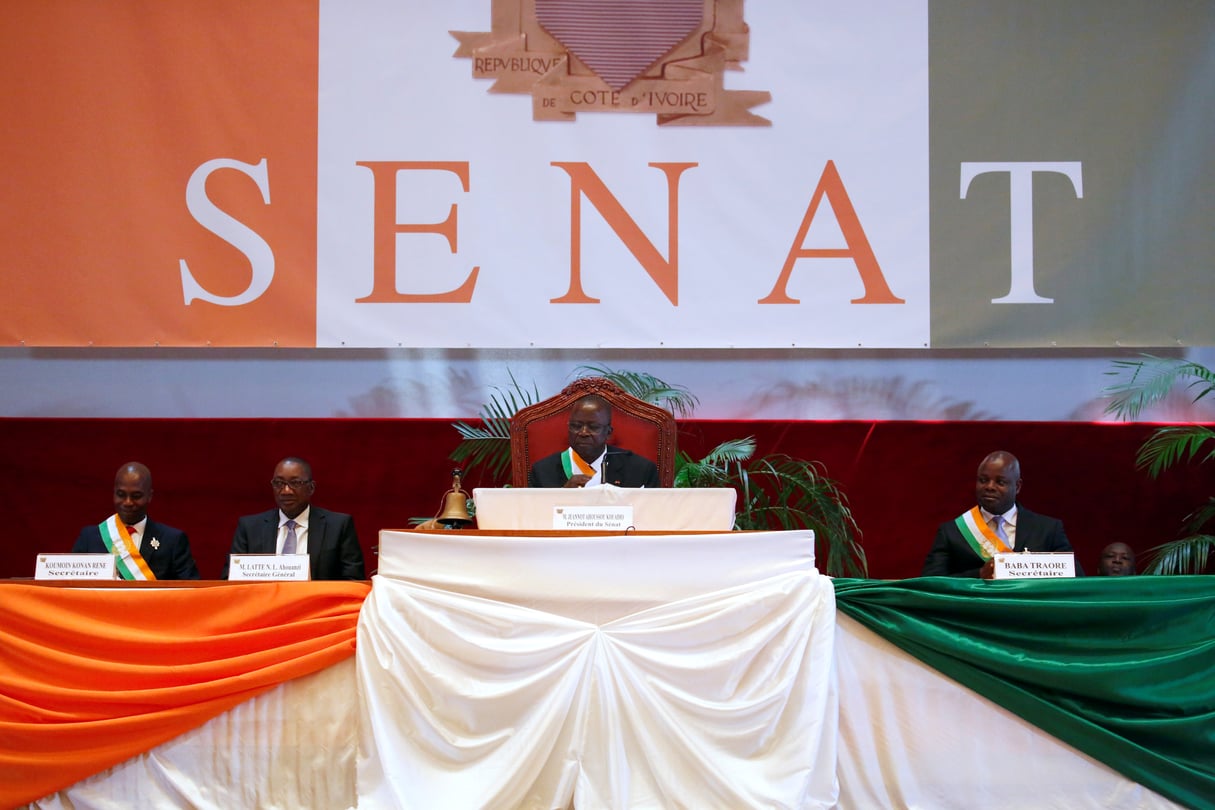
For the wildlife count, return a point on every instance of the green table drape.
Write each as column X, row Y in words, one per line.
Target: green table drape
column 1122, row 669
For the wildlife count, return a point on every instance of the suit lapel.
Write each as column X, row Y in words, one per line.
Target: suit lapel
column 1026, row 527
column 267, row 540
column 316, row 540
column 150, row 553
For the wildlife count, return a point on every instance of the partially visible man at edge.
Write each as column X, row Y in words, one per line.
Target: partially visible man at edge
column 590, row 460
column 298, row 527
column 964, row 547
column 1116, row 560
column 146, row 550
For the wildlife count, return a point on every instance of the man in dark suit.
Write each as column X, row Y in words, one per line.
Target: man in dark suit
column 589, row 460
column 145, row 549
column 964, row 546
column 297, row 527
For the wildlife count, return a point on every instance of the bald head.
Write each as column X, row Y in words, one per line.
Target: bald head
column 1008, row 461
column 998, row 482
column 132, row 492
column 135, row 468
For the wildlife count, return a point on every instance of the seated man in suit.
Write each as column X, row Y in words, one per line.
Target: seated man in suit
column 964, row 546
column 297, row 527
column 589, row 460
column 1116, row 560
column 145, row 549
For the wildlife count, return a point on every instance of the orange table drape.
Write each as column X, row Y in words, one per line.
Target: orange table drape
column 91, row 677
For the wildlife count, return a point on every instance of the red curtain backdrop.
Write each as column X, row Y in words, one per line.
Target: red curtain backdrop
column 902, row 478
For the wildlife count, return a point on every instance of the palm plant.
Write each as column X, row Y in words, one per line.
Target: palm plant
column 775, row 492
column 781, row 492
column 488, row 444
column 1141, row 383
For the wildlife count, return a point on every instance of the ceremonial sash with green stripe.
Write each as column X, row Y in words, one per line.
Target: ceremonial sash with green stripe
column 982, row 539
column 130, row 564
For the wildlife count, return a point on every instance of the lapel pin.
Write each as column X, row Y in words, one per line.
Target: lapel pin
column 155, row 544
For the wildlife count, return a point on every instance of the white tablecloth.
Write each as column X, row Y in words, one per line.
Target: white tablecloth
column 659, row 671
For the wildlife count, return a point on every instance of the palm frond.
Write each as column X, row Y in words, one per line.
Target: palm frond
column 689, row 473
column 1200, row 518
column 481, row 447
column 1149, row 379
column 1189, row 555
column 780, row 492
column 646, row 387
column 731, row 451
column 714, row 469
column 1170, row 445
column 488, row 445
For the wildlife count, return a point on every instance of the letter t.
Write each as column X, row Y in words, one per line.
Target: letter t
column 1021, row 213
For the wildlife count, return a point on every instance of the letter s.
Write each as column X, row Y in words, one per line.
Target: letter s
column 231, row 230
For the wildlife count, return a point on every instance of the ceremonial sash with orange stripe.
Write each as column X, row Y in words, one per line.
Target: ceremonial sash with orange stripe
column 571, row 461
column 119, row 543
column 982, row 539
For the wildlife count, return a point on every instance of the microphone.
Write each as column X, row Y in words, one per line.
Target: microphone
column 603, row 468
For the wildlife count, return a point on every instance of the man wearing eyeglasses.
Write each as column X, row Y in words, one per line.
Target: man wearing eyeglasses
column 298, row 527
column 589, row 460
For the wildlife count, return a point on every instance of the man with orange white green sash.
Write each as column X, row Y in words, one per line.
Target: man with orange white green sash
column 965, row 546
column 143, row 549
column 590, row 461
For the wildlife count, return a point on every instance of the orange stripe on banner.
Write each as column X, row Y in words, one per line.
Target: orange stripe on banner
column 90, row 678
column 109, row 110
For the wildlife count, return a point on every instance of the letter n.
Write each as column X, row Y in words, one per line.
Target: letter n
column 664, row 272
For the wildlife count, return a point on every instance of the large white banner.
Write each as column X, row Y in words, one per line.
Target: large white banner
column 451, row 216
column 608, row 174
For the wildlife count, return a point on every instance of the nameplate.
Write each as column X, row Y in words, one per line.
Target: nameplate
column 75, row 566
column 593, row 518
column 269, row 568
column 1034, row 565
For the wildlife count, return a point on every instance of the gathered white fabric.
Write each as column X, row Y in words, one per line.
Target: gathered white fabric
column 610, row 672
column 291, row 748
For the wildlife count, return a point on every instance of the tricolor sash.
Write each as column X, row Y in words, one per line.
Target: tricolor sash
column 982, row 539
column 571, row 461
column 119, row 543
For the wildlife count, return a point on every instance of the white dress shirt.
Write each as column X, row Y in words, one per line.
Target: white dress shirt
column 1010, row 523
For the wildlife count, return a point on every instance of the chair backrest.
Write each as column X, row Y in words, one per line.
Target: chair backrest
column 541, row 429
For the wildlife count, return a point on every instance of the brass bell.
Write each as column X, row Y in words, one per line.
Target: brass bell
column 453, row 512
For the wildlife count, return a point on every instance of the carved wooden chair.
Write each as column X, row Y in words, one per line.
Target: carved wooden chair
column 541, row 429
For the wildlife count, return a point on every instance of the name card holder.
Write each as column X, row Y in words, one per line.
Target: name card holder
column 269, row 568
column 592, row 518
column 75, row 566
column 1034, row 565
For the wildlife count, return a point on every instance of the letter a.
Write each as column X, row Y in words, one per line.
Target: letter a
column 876, row 289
